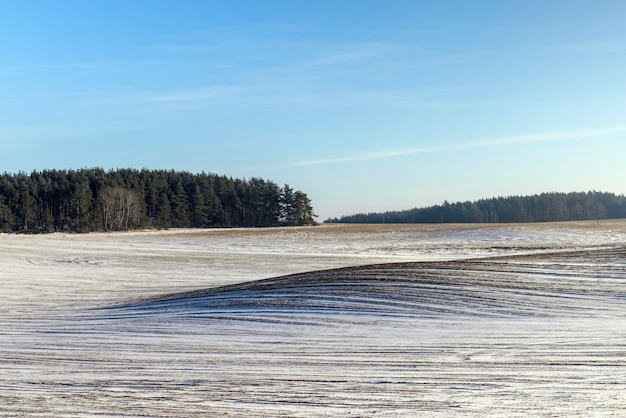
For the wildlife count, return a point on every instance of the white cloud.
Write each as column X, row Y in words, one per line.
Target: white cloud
column 200, row 94
column 548, row 136
column 595, row 46
column 486, row 143
column 14, row 137
column 371, row 156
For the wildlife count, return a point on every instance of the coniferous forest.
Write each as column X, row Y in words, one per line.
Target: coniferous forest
column 545, row 207
column 89, row 200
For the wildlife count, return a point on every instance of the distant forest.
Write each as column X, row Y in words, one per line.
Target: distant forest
column 97, row 200
column 546, row 207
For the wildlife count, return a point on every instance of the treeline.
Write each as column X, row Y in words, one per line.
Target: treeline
column 97, row 200
column 546, row 207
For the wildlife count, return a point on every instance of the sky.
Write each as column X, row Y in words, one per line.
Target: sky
column 365, row 106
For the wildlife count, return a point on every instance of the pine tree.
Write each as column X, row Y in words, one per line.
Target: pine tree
column 93, row 199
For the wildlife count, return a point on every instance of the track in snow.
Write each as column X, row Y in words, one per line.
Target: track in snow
column 533, row 335
column 561, row 284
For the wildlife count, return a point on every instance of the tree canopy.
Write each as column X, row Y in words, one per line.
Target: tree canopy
column 545, row 207
column 97, row 200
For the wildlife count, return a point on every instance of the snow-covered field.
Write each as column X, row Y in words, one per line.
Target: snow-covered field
column 335, row 320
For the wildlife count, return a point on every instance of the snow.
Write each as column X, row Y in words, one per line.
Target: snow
column 518, row 320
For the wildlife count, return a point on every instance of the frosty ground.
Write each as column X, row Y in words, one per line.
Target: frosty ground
column 334, row 320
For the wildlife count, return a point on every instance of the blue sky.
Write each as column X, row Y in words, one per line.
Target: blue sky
column 363, row 105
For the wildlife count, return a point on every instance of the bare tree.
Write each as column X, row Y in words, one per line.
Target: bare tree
column 121, row 209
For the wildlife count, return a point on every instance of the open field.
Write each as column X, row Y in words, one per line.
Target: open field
column 335, row 320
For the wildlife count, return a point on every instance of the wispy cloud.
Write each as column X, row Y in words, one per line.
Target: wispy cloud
column 352, row 53
column 485, row 143
column 548, row 136
column 192, row 95
column 370, row 156
column 16, row 136
column 199, row 94
column 600, row 46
